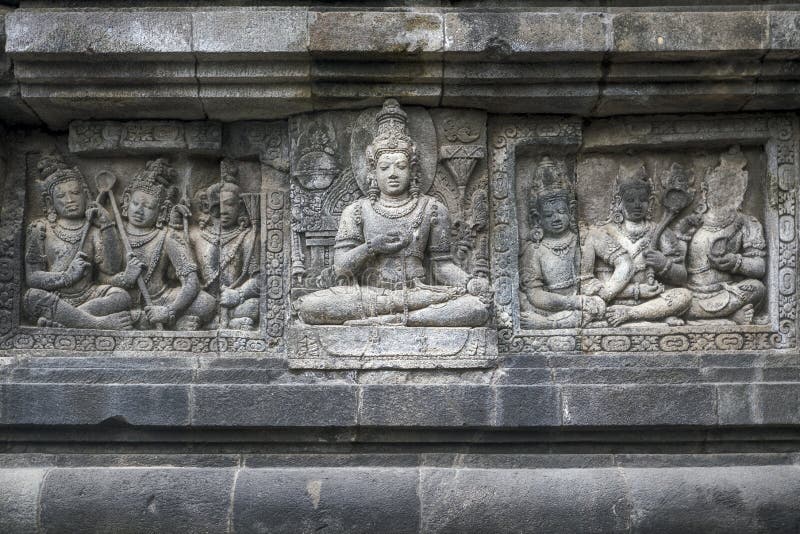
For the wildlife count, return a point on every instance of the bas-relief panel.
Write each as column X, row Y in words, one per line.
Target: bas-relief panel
column 144, row 236
column 401, row 237
column 650, row 235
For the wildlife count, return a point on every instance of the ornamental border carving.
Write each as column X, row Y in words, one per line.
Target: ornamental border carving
column 777, row 133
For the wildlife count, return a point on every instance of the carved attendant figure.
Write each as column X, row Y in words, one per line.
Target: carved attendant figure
column 170, row 270
column 617, row 254
column 227, row 246
column 550, row 262
column 70, row 252
column 726, row 251
column 386, row 241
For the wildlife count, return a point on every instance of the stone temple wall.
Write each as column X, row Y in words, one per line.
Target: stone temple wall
column 441, row 266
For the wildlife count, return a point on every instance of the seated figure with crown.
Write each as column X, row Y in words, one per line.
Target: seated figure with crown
column 170, row 272
column 393, row 248
column 227, row 247
column 727, row 249
column 549, row 264
column 73, row 257
column 639, row 280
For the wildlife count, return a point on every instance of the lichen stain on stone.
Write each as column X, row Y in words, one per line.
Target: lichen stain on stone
column 314, row 489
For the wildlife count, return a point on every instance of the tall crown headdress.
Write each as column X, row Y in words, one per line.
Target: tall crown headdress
column 731, row 163
column 392, row 133
column 156, row 179
column 632, row 173
column 53, row 170
column 551, row 179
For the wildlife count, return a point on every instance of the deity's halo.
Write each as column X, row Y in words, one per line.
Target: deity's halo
column 420, row 128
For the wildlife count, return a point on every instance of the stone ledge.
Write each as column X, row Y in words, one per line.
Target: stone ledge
column 339, row 404
column 264, row 63
column 397, row 499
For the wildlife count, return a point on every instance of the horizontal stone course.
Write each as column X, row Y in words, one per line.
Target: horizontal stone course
column 743, row 498
column 235, row 63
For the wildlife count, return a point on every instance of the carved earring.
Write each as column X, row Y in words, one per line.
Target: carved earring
column 537, row 234
column 51, row 215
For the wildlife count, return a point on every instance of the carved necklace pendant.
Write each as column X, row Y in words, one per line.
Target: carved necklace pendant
column 139, row 240
column 68, row 235
column 560, row 248
column 394, row 212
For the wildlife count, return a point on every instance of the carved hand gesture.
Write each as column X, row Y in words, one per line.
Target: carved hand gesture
column 178, row 214
column 77, row 268
column 388, row 243
column 158, row 314
column 98, row 215
column 593, row 306
column 655, row 259
column 648, row 291
column 132, row 270
column 725, row 262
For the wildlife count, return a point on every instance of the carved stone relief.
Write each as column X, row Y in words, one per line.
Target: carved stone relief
column 171, row 245
column 403, row 237
column 389, row 221
column 655, row 235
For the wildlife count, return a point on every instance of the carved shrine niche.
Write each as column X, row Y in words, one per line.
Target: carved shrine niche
column 146, row 236
column 390, row 244
column 648, row 234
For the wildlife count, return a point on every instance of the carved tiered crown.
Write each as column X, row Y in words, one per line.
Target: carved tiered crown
column 632, row 174
column 392, row 133
column 551, row 179
column 53, row 170
column 156, row 179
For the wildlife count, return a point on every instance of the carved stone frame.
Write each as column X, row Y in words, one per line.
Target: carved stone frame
column 268, row 339
column 777, row 133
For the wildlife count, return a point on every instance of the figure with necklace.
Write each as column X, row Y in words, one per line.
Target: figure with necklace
column 227, row 247
column 725, row 260
column 170, row 271
column 74, row 256
column 621, row 265
column 550, row 261
column 394, row 247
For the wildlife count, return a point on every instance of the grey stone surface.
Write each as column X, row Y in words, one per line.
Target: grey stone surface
column 136, row 500
column 318, row 499
column 527, row 406
column 93, row 404
column 539, row 500
column 19, row 498
column 274, row 406
column 635, row 405
column 433, row 406
column 754, row 499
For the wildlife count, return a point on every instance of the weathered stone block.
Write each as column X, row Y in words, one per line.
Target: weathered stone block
column 136, row 500
column 528, row 406
column 426, row 405
column 524, row 35
column 19, row 499
column 754, row 499
column 759, row 403
column 277, row 32
column 92, row 404
column 274, row 406
column 99, row 33
column 339, row 500
column 635, row 405
column 523, row 500
column 690, row 34
column 389, row 33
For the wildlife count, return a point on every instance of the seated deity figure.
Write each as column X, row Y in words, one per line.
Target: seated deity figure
column 394, row 245
column 226, row 245
column 550, row 261
column 622, row 265
column 74, row 256
column 725, row 260
column 170, row 272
